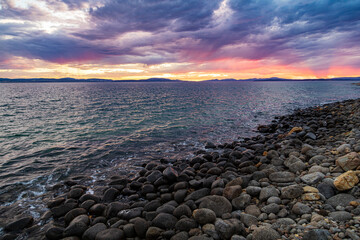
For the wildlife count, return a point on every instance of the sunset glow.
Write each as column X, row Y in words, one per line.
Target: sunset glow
column 189, row 40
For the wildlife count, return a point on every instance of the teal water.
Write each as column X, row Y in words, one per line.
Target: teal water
column 49, row 131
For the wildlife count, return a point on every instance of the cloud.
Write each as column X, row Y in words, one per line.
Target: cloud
column 306, row 33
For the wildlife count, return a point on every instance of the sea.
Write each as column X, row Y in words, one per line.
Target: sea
column 50, row 132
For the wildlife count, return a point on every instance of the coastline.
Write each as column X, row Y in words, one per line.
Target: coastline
column 275, row 184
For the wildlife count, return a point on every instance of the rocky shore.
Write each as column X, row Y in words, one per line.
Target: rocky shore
column 296, row 180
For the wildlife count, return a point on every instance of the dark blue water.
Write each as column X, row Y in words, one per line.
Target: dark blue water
column 49, row 131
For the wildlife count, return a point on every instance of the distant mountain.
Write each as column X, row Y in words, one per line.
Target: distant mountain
column 45, row 80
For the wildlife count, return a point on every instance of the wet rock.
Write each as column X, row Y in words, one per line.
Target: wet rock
column 170, row 174
column 74, row 213
column 90, row 233
column 55, row 202
column 341, row 199
column 300, row 208
column 54, row 233
column 265, row 233
column 87, row 204
column 218, row 204
column 110, row 195
column 204, row 216
column 110, row 234
column 155, row 175
column 62, row 209
column 85, row 197
column 164, row 221
column 129, row 230
column 98, row 209
column 346, row 181
column 75, row 229
column 19, row 224
column 317, row 234
column 180, row 236
column 114, row 208
column 75, row 193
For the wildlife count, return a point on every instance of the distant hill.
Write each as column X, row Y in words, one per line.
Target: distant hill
column 45, row 80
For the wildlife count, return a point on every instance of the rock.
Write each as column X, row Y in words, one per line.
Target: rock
column 236, row 182
column 267, row 192
column 298, row 166
column 110, row 195
column 128, row 214
column 341, row 216
column 129, row 230
column 210, row 230
column 185, row 224
column 285, row 221
column 140, row 226
column 90, row 233
column 180, row 236
column 349, row 162
column 271, row 208
column 292, row 191
column 300, row 209
column 54, row 233
column 75, row 193
column 248, row 219
column 253, row 210
column 346, row 181
column 231, row 192
column 326, row 190
column 321, row 169
column 310, row 196
column 241, row 202
column 312, row 178
column 167, row 208
column 218, row 204
column 204, row 216
column 227, row 228
column 73, row 214
column 155, row 175
column 253, row 191
column 180, row 195
column 61, row 210
column 282, row 177
column 341, row 199
column 85, row 197
column 210, row 145
column 19, row 224
column 110, row 234
column 265, row 233
column 170, row 174
column 182, row 210
column 198, row 194
column 310, row 135
column 164, row 221
column 97, row 209
column 76, row 228
column 114, row 208
column 344, row 148
column 317, row 234
column 153, row 233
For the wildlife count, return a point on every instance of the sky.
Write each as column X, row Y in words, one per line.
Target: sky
column 179, row 39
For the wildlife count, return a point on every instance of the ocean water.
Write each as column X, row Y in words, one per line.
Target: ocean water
column 50, row 131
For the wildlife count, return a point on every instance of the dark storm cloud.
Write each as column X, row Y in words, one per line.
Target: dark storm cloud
column 185, row 30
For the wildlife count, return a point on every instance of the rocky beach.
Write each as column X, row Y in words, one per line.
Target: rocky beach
column 297, row 179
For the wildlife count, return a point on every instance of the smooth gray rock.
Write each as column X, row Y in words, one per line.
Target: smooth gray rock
column 341, row 216
column 312, row 178
column 265, row 233
column 341, row 199
column 317, row 234
column 218, row 204
column 110, row 234
column 164, row 221
column 90, row 233
column 300, row 209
